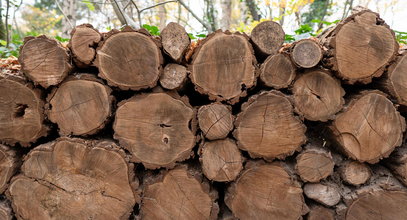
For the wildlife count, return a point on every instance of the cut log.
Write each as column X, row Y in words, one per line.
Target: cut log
column 355, row 173
column 223, row 66
column 9, row 163
column 323, row 193
column 74, row 179
column 306, row 53
column 174, row 76
column 267, row 127
column 265, row 191
column 129, row 60
column 369, row 128
column 317, row 95
column 215, row 120
column 268, row 37
column 45, row 61
column 175, row 41
column 80, row 105
column 84, row 40
column 221, row 160
column 321, row 213
column 360, row 47
column 6, row 213
column 155, row 128
column 395, row 80
column 21, row 112
column 314, row 164
column 277, row 71
column 398, row 164
column 178, row 194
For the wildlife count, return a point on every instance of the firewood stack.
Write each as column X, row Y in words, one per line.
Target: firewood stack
column 125, row 125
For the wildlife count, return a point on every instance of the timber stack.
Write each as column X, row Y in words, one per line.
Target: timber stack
column 125, row 125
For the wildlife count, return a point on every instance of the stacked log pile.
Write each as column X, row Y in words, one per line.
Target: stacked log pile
column 125, row 125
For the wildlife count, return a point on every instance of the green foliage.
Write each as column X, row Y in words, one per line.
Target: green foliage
column 196, row 36
column 61, row 39
column 303, row 29
column 12, row 49
column 152, row 29
column 289, row 38
column 89, row 5
column 401, row 37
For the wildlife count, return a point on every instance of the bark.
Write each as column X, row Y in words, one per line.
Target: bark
column 9, row 163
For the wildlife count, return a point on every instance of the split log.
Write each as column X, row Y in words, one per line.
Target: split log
column 369, row 128
column 174, row 76
column 156, row 128
column 221, row 160
column 178, row 194
column 306, row 53
column 223, row 66
column 277, row 71
column 215, row 120
column 129, row 60
column 355, row 173
column 80, row 105
column 323, row 193
column 21, row 112
column 321, row 213
column 74, row 179
column 267, row 127
column 265, row 191
column 314, row 164
column 83, row 43
column 175, row 41
column 360, row 47
column 9, row 163
column 267, row 37
column 317, row 95
column 6, row 212
column 395, row 80
column 45, row 61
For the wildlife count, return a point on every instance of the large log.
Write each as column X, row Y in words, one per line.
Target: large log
column 83, row 43
column 215, row 120
column 9, row 163
column 277, row 71
column 267, row 37
column 175, row 41
column 74, row 179
column 395, row 80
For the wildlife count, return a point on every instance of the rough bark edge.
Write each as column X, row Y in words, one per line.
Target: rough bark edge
column 78, row 61
column 316, row 150
column 16, row 163
column 289, row 50
column 275, row 86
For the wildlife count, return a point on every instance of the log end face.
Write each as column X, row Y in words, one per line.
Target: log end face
column 306, row 53
column 268, row 37
column 277, row 71
column 215, row 121
column 175, row 41
column 173, row 77
column 355, row 173
column 312, row 166
column 84, row 39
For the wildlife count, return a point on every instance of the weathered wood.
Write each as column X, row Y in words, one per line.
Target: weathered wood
column 325, row 194
column 369, row 128
column 314, row 164
column 268, row 37
column 317, row 95
column 6, row 213
column 178, row 194
column 398, row 164
column 355, row 173
column 395, row 80
column 175, row 41
column 267, row 127
column 174, row 76
column 9, row 163
column 83, row 43
column 74, row 178
column 215, row 120
column 277, row 71
column 306, row 53
column 265, row 191
column 320, row 213
column 221, row 160
column 129, row 60
column 223, row 66
column 44, row 60
column 156, row 128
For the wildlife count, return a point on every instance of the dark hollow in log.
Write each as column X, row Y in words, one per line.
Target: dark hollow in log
column 175, row 41
column 314, row 164
column 9, row 163
column 306, row 53
column 174, row 76
column 215, row 120
column 277, row 71
column 355, row 173
column 84, row 39
column 268, row 37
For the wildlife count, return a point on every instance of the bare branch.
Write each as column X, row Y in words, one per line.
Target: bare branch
column 194, row 15
column 63, row 13
column 158, row 4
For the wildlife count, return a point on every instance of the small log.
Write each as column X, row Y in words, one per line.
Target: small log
column 267, row 37
column 323, row 193
column 355, row 173
column 397, row 163
column 314, row 164
column 223, row 66
column 6, row 213
column 395, row 80
column 321, row 213
column 317, row 95
column 129, row 60
column 84, row 40
column 265, row 191
column 215, row 120
column 9, row 163
column 44, row 60
column 80, row 105
column 221, row 160
column 155, row 128
column 178, row 194
column 306, row 53
column 369, row 128
column 174, row 76
column 277, row 71
column 175, row 41
column 58, row 177
column 267, row 127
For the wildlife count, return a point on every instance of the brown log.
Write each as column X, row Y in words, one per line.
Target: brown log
column 174, row 76
column 268, row 37
column 277, row 71
column 80, row 105
column 215, row 120
column 360, row 47
column 369, row 128
column 223, row 66
column 397, row 163
column 355, row 173
column 44, row 60
column 221, row 160
column 155, row 128
column 178, row 194
column 320, row 213
column 267, row 127
column 325, row 194
column 6, row 213
column 74, row 179
column 175, row 41
column 395, row 80
column 317, row 95
column 129, row 60
column 84, row 40
column 314, row 164
column 306, row 53
column 265, row 191
column 9, row 163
